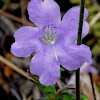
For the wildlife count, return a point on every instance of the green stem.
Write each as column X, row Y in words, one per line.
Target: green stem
column 78, row 43
column 47, row 90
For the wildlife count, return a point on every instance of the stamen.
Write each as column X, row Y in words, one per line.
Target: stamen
column 49, row 36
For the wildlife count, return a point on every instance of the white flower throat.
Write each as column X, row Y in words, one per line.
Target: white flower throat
column 49, row 36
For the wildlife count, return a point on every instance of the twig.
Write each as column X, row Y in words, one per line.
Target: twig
column 23, row 96
column 30, row 97
column 3, row 41
column 23, row 6
column 65, row 88
column 36, row 93
column 59, row 84
column 23, row 73
column 22, row 63
column 6, row 22
column 15, row 68
column 17, row 18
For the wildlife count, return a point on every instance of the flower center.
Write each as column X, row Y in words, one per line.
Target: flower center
column 49, row 36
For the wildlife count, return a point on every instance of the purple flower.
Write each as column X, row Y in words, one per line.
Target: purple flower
column 53, row 40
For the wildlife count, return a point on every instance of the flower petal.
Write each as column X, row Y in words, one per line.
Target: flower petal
column 73, row 56
column 70, row 23
column 25, row 49
column 44, row 13
column 45, row 64
column 26, row 41
column 26, row 33
column 73, row 34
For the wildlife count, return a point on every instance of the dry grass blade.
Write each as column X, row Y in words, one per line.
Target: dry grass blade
column 25, row 22
column 15, row 68
column 94, row 20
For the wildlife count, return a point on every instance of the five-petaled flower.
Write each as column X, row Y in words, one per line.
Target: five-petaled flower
column 53, row 40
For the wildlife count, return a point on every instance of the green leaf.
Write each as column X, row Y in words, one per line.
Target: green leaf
column 67, row 96
column 49, row 89
column 84, row 97
column 62, row 69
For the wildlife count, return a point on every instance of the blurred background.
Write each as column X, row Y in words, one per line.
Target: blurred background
column 14, row 84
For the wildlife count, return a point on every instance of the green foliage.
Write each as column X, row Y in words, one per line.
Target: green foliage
column 92, row 9
column 96, row 28
column 3, row 1
column 62, row 69
column 52, row 94
column 98, row 87
column 67, row 96
column 46, row 98
column 75, row 1
column 48, row 90
column 90, row 42
column 96, row 48
column 84, row 97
